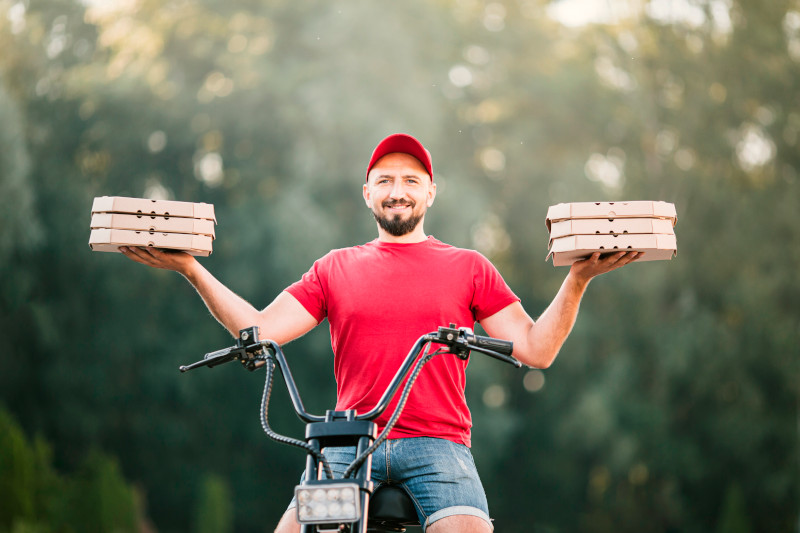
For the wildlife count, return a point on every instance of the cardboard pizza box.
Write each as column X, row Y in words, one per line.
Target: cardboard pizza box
column 611, row 210
column 109, row 240
column 143, row 206
column 616, row 226
column 199, row 226
column 567, row 250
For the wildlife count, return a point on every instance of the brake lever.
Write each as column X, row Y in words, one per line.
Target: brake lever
column 213, row 359
column 248, row 350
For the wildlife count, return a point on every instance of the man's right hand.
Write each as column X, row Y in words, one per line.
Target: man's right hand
column 169, row 260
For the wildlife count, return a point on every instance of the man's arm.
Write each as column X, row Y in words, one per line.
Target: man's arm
column 283, row 320
column 536, row 343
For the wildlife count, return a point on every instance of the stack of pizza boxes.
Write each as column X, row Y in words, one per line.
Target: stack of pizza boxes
column 577, row 230
column 121, row 221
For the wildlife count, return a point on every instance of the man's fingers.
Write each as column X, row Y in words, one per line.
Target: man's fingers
column 619, row 259
column 135, row 251
column 594, row 265
column 140, row 255
column 625, row 258
column 610, row 259
column 592, row 259
column 128, row 251
column 635, row 256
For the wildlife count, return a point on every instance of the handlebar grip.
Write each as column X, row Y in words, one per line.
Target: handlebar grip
column 497, row 345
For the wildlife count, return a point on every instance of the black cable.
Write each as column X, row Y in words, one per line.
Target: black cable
column 358, row 461
column 319, row 456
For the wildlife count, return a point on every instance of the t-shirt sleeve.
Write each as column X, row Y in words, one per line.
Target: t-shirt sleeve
column 310, row 290
column 492, row 294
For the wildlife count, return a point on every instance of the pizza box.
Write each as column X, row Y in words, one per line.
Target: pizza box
column 109, row 240
column 144, row 206
column 567, row 250
column 199, row 226
column 617, row 226
column 611, row 210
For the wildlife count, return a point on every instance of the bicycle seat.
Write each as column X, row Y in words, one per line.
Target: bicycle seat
column 391, row 509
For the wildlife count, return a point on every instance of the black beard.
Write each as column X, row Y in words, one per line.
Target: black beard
column 396, row 226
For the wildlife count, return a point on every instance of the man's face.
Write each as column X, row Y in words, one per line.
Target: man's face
column 399, row 192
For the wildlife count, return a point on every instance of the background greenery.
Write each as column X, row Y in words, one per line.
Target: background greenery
column 672, row 407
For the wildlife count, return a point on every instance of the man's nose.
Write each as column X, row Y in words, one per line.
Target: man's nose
column 398, row 189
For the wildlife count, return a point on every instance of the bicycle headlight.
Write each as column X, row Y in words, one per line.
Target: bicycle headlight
column 327, row 503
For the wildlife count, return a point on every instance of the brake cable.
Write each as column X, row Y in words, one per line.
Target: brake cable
column 318, row 455
column 358, row 461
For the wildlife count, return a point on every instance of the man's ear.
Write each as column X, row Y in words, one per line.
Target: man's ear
column 431, row 194
column 365, row 194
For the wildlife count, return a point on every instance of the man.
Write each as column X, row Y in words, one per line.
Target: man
column 379, row 298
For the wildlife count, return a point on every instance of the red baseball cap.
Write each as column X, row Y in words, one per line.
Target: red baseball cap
column 404, row 144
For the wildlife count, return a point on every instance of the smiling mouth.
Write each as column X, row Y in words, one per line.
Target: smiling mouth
column 396, row 205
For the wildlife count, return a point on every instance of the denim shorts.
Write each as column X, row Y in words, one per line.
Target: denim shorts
column 439, row 475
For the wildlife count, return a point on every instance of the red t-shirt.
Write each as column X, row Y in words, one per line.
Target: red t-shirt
column 379, row 298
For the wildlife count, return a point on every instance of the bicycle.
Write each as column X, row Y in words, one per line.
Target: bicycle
column 349, row 504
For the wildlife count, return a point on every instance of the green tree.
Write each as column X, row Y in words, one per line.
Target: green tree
column 733, row 514
column 214, row 508
column 36, row 498
column 17, row 474
column 100, row 499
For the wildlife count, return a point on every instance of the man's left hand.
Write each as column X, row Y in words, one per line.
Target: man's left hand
column 595, row 265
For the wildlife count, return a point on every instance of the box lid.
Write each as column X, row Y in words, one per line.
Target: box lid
column 611, row 210
column 144, row 206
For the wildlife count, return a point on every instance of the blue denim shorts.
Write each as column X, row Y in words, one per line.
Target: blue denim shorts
column 439, row 475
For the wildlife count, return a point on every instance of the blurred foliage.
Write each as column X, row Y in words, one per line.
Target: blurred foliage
column 213, row 514
column 36, row 498
column 674, row 404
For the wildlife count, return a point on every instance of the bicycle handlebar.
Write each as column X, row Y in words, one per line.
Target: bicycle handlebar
column 254, row 353
column 245, row 350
